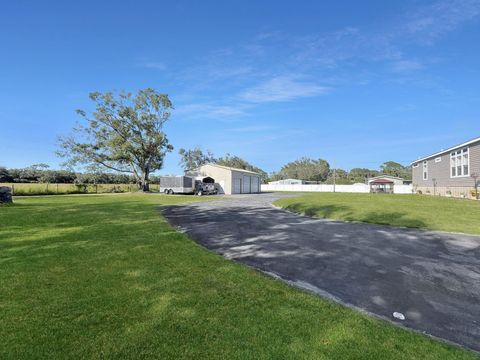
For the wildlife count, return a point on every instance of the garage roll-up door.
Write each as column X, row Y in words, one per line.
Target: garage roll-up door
column 255, row 184
column 246, row 184
column 237, row 185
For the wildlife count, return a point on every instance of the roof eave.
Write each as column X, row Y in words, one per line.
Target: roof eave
column 446, row 150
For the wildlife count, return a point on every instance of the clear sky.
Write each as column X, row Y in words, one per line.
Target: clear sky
column 355, row 82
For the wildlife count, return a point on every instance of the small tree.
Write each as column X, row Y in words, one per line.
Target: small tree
column 124, row 133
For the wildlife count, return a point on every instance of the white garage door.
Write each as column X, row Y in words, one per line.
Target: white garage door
column 237, row 185
column 246, row 184
column 255, row 184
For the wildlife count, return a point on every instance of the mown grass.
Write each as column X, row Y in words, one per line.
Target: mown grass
column 104, row 276
column 28, row 189
column 416, row 211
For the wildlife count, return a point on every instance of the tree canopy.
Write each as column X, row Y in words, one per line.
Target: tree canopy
column 124, row 133
column 194, row 158
column 306, row 169
column 395, row 169
column 239, row 163
column 5, row 175
column 360, row 175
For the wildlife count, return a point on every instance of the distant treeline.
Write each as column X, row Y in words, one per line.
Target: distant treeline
column 42, row 174
column 319, row 170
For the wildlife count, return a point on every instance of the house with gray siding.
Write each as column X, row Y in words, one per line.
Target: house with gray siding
column 450, row 172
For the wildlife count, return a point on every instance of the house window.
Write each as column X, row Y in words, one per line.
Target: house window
column 437, row 160
column 460, row 163
column 415, row 165
column 425, row 170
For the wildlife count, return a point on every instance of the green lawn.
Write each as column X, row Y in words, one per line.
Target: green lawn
column 104, row 276
column 425, row 212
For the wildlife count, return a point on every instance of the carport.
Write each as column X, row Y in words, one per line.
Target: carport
column 381, row 186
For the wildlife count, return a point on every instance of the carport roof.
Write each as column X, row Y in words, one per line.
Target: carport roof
column 381, row 181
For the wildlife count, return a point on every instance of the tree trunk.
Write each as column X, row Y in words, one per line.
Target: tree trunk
column 144, row 181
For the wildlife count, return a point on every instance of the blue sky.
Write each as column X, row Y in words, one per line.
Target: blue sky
column 355, row 82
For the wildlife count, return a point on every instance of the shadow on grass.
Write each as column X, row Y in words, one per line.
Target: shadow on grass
column 346, row 213
column 320, row 211
column 398, row 219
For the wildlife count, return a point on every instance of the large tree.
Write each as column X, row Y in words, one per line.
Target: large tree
column 306, row 169
column 124, row 133
column 193, row 158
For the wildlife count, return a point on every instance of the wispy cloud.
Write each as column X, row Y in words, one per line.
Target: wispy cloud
column 281, row 88
column 152, row 65
column 406, row 65
column 218, row 112
column 275, row 67
column 430, row 22
column 253, row 128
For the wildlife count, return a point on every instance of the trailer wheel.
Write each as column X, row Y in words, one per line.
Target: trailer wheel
column 200, row 193
column 171, row 192
column 165, row 191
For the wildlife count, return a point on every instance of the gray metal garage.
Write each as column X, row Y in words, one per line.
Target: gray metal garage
column 231, row 180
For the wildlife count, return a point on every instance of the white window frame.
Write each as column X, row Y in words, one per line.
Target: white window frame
column 438, row 159
column 457, row 162
column 415, row 165
column 425, row 170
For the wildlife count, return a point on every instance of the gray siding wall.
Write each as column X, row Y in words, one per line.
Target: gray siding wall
column 441, row 170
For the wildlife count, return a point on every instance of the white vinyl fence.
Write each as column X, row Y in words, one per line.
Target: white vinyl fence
column 357, row 188
column 403, row 189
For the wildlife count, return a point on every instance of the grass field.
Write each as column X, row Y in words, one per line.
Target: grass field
column 425, row 212
column 25, row 189
column 104, row 276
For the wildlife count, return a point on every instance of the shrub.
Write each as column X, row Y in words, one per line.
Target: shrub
column 475, row 193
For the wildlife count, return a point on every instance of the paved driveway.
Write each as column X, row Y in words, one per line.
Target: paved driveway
column 432, row 278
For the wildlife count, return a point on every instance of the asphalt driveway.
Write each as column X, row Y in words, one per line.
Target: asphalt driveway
column 433, row 278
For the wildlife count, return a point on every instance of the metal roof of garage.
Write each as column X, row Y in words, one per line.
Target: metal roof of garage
column 232, row 168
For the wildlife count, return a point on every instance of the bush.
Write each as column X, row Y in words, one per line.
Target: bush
column 475, row 193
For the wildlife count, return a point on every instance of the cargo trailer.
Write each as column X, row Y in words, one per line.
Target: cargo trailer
column 187, row 185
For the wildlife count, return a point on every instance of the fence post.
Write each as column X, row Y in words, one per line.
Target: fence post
column 13, row 189
column 56, row 190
